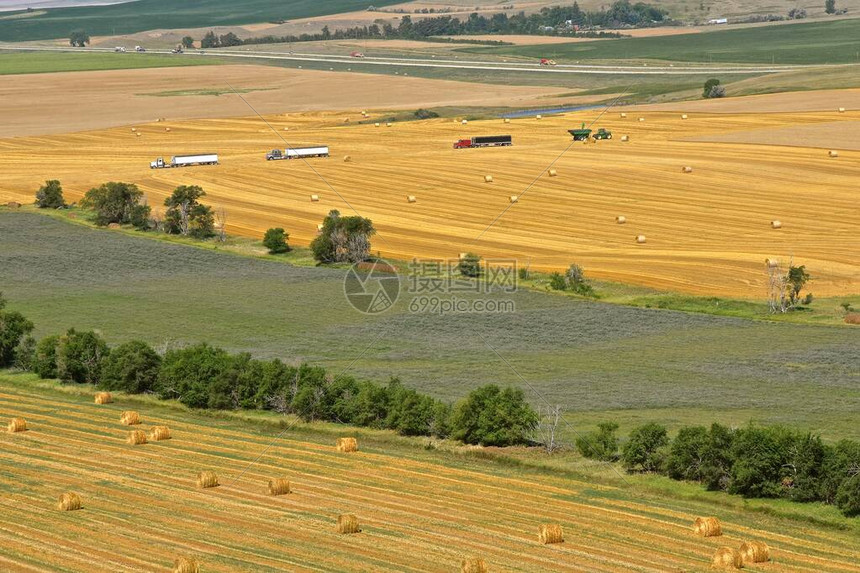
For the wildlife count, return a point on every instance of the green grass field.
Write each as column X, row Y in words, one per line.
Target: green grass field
column 836, row 42
column 598, row 360
column 143, row 15
column 47, row 62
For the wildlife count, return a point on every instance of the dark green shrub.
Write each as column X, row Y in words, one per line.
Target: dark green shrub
column 491, row 416
column 131, row 367
column 687, row 454
column 600, row 445
column 644, row 449
column 80, row 356
column 276, row 241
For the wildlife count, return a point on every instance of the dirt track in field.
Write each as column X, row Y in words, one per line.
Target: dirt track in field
column 708, row 232
column 141, row 508
column 36, row 104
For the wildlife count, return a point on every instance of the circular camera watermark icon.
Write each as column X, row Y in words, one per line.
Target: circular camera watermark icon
column 371, row 287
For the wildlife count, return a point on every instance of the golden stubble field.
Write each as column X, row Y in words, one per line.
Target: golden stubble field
column 141, row 508
column 707, row 232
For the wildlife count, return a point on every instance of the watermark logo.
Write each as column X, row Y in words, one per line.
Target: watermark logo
column 455, row 286
column 372, row 287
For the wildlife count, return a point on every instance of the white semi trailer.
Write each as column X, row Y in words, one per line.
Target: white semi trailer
column 298, row 152
column 185, row 161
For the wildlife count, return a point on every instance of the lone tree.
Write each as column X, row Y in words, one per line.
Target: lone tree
column 830, row 6
column 276, row 241
column 13, row 330
column 79, row 38
column 343, row 239
column 186, row 215
column 470, row 265
column 50, row 195
column 187, row 42
column 713, row 89
column 115, row 202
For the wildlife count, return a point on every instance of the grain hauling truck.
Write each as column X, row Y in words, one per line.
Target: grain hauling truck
column 185, row 161
column 298, row 152
column 485, row 141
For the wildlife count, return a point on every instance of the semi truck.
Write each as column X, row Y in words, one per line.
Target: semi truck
column 484, row 141
column 547, row 62
column 185, row 161
column 298, row 152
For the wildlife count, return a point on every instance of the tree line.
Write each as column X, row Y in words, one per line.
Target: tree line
column 754, row 461
column 555, row 21
column 204, row 376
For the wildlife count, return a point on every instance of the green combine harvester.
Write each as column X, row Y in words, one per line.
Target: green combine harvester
column 583, row 133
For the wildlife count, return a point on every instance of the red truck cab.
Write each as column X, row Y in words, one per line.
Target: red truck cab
column 463, row 144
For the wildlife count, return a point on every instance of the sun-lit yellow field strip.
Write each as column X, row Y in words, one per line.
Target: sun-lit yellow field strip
column 141, row 507
column 707, row 232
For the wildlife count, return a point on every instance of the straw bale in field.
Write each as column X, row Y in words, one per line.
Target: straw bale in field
column 279, row 486
column 70, row 502
column 473, row 565
column 347, row 524
column 136, row 437
column 158, row 433
column 103, row 398
column 727, row 558
column 707, row 527
column 129, row 418
column 755, row 552
column 186, row 565
column 347, row 445
column 207, row 479
column 550, row 533
column 17, row 425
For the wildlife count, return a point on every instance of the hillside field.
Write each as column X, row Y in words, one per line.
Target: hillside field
column 153, row 14
column 418, row 510
column 708, row 232
column 835, row 42
column 599, row 361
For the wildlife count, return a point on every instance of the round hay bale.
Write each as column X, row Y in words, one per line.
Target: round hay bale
column 138, row 134
column 473, row 565
column 286, row 129
column 514, row 199
column 841, row 110
column 136, row 437
column 776, row 224
column 488, row 178
column 279, row 486
column 507, row 120
column 159, row 433
column 833, row 153
column 347, row 523
column 464, row 122
column 538, row 116
column 133, row 129
column 552, row 173
column 347, row 158
column 103, row 398
column 684, row 116
column 129, row 418
column 686, row 169
column 114, row 226
column 13, row 205
column 207, row 479
column 640, row 239
column 852, row 318
column 727, row 558
column 707, row 527
column 346, row 120
column 411, row 199
column 186, row 565
column 17, row 425
column 376, row 124
column 69, row 502
column 347, row 445
column 620, row 219
column 755, row 552
column 623, row 115
column 550, row 533
column 167, row 129
column 625, row 138
column 320, row 227
column 771, row 263
column 315, row 198
column 641, row 119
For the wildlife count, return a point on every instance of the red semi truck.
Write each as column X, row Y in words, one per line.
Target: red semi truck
column 485, row 141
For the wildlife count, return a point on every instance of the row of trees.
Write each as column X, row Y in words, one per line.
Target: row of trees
column 754, row 461
column 124, row 204
column 203, row 376
column 556, row 20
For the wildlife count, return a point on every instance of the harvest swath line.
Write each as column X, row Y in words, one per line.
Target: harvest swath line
column 417, row 515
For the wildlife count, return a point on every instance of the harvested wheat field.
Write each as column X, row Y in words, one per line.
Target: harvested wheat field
column 417, row 512
column 708, row 231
